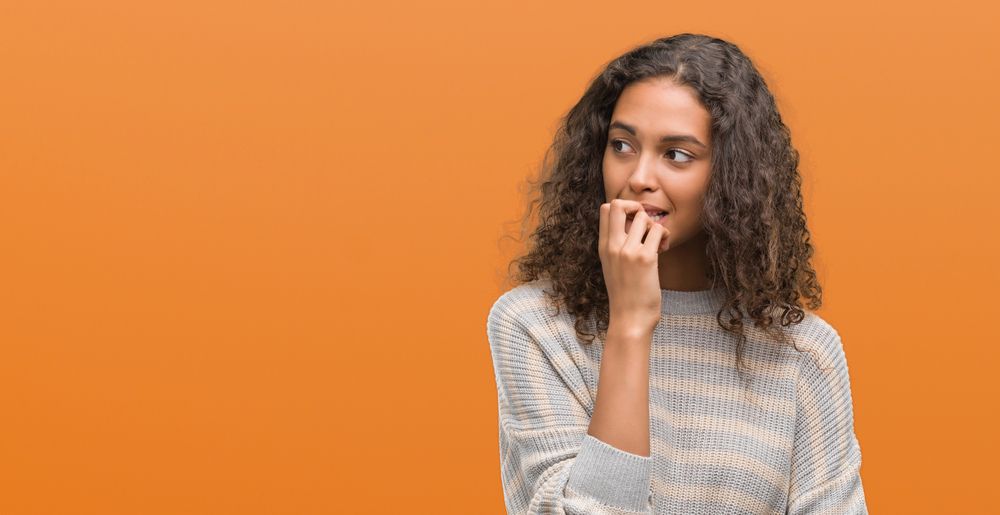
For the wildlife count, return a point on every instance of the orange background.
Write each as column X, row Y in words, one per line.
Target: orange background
column 248, row 248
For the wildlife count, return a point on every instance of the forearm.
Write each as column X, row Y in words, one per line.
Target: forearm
column 621, row 410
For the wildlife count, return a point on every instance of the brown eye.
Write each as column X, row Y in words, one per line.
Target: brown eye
column 686, row 157
column 617, row 141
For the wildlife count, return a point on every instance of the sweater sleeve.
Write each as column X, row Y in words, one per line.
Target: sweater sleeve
column 549, row 464
column 826, row 461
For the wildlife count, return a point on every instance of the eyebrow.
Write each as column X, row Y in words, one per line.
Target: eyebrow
column 669, row 138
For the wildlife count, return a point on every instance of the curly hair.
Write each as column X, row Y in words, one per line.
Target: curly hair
column 758, row 243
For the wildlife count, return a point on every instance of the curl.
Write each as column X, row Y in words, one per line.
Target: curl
column 758, row 242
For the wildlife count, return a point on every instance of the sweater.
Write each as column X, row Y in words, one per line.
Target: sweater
column 787, row 446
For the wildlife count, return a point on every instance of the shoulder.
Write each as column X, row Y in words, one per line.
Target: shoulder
column 823, row 373
column 523, row 304
column 526, row 320
column 818, row 341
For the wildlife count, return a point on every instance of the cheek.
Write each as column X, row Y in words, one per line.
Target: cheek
column 691, row 222
column 611, row 186
column 687, row 214
column 615, row 178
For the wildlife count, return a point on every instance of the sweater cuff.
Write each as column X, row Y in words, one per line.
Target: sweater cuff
column 611, row 475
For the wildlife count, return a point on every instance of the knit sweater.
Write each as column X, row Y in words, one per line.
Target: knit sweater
column 789, row 448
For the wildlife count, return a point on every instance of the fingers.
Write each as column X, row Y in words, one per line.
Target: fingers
column 624, row 223
column 619, row 212
column 640, row 223
column 616, row 225
column 602, row 234
column 658, row 239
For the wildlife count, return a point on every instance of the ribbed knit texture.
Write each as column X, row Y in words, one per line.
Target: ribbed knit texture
column 789, row 448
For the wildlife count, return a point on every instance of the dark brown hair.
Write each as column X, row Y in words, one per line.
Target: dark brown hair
column 758, row 243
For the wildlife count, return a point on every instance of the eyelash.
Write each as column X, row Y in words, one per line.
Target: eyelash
column 689, row 156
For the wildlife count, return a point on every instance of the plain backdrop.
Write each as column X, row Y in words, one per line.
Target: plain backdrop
column 248, row 248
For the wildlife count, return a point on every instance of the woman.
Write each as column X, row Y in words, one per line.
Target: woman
column 656, row 357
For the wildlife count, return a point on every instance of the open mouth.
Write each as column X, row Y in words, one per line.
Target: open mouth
column 654, row 216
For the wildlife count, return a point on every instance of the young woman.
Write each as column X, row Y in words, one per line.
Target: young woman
column 656, row 356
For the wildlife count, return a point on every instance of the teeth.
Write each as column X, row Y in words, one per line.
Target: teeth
column 652, row 216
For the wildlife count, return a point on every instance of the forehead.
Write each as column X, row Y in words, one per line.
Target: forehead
column 659, row 106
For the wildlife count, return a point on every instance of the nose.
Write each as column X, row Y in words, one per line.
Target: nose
column 643, row 176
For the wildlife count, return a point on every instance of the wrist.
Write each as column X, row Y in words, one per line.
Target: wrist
column 627, row 333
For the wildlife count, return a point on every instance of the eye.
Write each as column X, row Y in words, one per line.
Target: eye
column 617, row 141
column 685, row 157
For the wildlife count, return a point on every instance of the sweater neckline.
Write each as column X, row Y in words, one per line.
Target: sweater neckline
column 697, row 301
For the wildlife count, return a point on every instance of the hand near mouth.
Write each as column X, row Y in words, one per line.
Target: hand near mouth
column 629, row 259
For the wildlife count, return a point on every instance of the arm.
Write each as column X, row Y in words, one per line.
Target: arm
column 621, row 411
column 549, row 462
column 826, row 461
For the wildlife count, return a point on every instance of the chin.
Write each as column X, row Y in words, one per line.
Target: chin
column 684, row 239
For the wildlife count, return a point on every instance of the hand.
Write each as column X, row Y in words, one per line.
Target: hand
column 630, row 264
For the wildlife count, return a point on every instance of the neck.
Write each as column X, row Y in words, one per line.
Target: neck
column 684, row 267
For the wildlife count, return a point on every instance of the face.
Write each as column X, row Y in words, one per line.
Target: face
column 659, row 153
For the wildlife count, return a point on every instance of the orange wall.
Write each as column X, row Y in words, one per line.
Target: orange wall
column 248, row 248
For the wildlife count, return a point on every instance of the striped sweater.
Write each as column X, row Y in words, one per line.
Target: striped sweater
column 788, row 448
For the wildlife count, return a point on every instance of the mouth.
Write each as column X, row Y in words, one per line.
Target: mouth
column 656, row 216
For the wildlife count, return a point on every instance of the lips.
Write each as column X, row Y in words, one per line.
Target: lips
column 652, row 209
column 661, row 220
column 650, row 212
